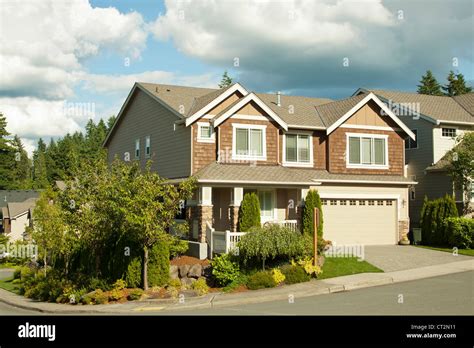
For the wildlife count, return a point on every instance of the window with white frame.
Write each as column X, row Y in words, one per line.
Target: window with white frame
column 205, row 133
column 448, row 132
column 266, row 204
column 298, row 149
column 249, row 142
column 137, row 148
column 367, row 151
column 147, row 146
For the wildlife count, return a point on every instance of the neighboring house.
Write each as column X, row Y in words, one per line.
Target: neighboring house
column 14, row 196
column 436, row 121
column 234, row 141
column 16, row 217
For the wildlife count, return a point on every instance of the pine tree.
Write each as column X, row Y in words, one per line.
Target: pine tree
column 226, row 80
column 6, row 156
column 429, row 85
column 40, row 174
column 21, row 170
column 456, row 85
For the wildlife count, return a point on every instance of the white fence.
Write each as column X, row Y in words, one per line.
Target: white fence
column 291, row 224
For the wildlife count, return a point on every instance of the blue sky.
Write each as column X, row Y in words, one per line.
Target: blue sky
column 58, row 52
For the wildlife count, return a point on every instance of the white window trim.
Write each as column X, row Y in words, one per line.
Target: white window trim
column 212, row 139
column 148, row 155
column 137, row 141
column 298, row 164
column 367, row 166
column 449, row 137
column 235, row 156
column 409, row 139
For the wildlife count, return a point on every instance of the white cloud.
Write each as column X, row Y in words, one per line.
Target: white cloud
column 301, row 44
column 44, row 43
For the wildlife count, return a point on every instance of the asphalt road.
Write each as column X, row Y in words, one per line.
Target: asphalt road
column 446, row 295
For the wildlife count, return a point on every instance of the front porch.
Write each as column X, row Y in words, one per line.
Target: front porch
column 213, row 214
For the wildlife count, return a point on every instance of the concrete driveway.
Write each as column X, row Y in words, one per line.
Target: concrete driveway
column 397, row 257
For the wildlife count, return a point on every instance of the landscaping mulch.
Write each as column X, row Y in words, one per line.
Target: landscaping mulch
column 188, row 260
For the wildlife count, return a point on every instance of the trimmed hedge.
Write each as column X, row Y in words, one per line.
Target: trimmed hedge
column 433, row 215
column 294, row 274
column 460, row 232
column 261, row 280
column 249, row 212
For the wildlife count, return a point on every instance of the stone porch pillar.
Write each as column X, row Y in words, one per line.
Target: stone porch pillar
column 237, row 194
column 204, row 212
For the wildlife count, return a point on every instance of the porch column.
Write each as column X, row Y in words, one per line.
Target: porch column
column 237, row 194
column 204, row 212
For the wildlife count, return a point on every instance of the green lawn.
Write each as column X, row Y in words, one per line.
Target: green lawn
column 341, row 266
column 8, row 285
column 468, row 252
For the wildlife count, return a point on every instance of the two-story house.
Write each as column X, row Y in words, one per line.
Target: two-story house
column 235, row 141
column 437, row 122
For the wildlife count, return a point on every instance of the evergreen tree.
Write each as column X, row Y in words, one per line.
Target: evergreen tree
column 249, row 212
column 40, row 174
column 6, row 156
column 110, row 122
column 312, row 201
column 429, row 85
column 456, row 85
column 226, row 80
column 21, row 170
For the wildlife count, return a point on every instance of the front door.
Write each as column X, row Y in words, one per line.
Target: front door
column 266, row 198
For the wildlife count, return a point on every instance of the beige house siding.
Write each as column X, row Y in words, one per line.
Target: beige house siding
column 203, row 152
column 18, row 226
column 170, row 143
column 369, row 115
column 441, row 144
column 225, row 103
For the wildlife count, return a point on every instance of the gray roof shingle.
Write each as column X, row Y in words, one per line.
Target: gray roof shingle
column 284, row 175
column 7, row 196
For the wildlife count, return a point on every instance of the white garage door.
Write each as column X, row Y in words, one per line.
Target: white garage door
column 354, row 221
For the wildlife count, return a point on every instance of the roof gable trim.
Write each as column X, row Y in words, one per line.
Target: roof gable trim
column 364, row 101
column 219, row 99
column 250, row 97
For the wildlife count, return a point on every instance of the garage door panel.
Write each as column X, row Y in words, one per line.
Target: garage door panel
column 369, row 222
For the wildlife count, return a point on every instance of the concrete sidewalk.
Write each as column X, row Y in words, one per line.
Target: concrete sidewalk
column 314, row 287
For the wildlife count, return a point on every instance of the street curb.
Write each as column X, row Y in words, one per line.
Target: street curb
column 215, row 300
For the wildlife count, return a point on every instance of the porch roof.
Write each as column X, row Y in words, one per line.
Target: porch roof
column 267, row 175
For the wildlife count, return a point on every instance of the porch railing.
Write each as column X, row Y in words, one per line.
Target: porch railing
column 290, row 224
column 223, row 242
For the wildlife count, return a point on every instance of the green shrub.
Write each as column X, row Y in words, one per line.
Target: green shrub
column 249, row 212
column 270, row 243
column 312, row 201
column 460, row 232
column 224, row 269
column 116, row 295
column 237, row 282
column 96, row 283
column 135, row 294
column 294, row 274
column 200, row 286
column 174, row 283
column 133, row 276
column 178, row 247
column 158, row 267
column 433, row 214
column 260, row 280
column 99, row 297
column 86, row 299
column 17, row 273
column 120, row 284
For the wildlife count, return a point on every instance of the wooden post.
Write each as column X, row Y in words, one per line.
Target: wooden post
column 315, row 235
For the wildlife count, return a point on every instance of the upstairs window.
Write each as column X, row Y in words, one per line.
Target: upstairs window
column 367, row 151
column 147, row 146
column 205, row 133
column 410, row 143
column 448, row 132
column 137, row 148
column 298, row 149
column 249, row 142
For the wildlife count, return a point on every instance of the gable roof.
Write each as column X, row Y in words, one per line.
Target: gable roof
column 466, row 101
column 18, row 208
column 342, row 110
column 9, row 196
column 438, row 109
column 238, row 104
